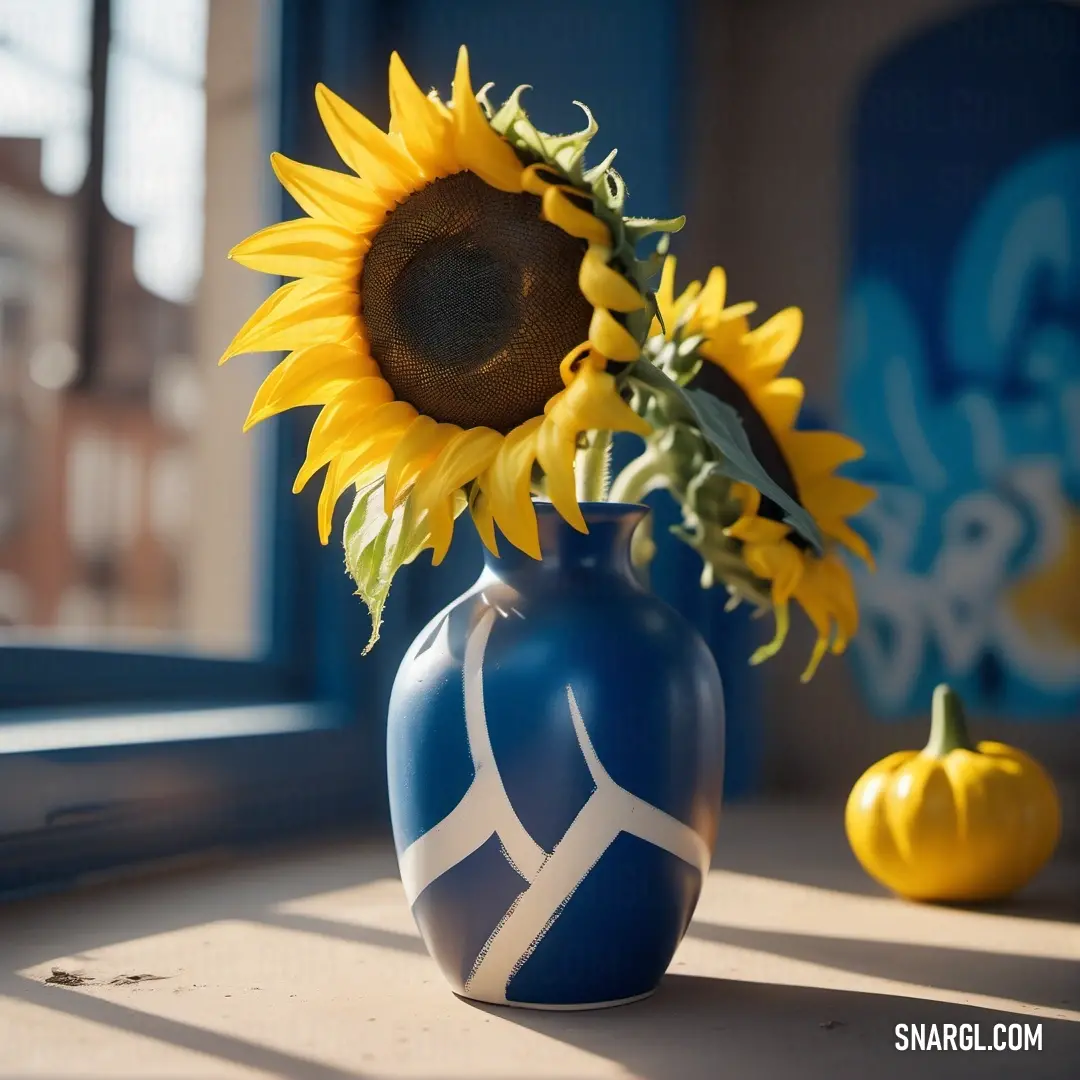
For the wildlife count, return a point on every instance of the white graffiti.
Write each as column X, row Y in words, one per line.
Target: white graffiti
column 961, row 604
column 974, row 415
column 485, row 810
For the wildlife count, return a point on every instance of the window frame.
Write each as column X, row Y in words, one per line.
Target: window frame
column 243, row 749
column 139, row 677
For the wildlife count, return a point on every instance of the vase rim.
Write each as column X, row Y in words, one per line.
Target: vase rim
column 609, row 527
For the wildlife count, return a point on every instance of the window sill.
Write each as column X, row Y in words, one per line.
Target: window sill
column 41, row 731
column 307, row 963
column 83, row 792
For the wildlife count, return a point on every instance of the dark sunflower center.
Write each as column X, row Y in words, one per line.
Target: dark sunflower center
column 765, row 447
column 471, row 301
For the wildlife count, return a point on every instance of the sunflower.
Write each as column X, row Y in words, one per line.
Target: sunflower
column 456, row 306
column 746, row 373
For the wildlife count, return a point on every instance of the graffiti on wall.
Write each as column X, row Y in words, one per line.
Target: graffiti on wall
column 961, row 364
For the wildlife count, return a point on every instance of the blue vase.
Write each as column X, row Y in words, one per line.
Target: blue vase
column 555, row 760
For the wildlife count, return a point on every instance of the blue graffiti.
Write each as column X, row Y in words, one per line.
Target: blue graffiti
column 971, row 419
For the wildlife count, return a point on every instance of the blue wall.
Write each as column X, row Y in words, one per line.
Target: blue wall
column 961, row 362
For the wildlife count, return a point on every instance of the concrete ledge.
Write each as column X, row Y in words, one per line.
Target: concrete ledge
column 307, row 964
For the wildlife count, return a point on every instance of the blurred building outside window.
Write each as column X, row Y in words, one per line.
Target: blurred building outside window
column 125, row 485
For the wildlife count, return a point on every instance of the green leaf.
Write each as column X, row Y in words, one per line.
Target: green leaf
column 510, row 110
column 722, row 428
column 482, row 100
column 611, row 191
column 576, row 140
column 526, row 137
column 670, row 400
column 679, row 360
column 596, row 173
column 638, row 228
column 652, row 265
column 721, row 425
column 377, row 545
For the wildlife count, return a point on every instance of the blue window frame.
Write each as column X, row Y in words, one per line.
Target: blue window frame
column 108, row 756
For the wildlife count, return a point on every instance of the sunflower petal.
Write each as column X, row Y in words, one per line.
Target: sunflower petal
column 820, row 453
column 336, row 420
column 311, row 376
column 350, row 422
column 480, row 508
column 827, row 595
column 724, row 343
column 710, row 302
column 757, row 530
column 750, row 498
column 302, row 248
column 592, row 402
column 837, row 579
column 573, row 219
column 781, row 563
column 303, row 312
column 840, row 531
column 821, row 647
column 665, row 295
column 327, row 501
column 465, row 456
column 331, row 196
column 277, row 307
column 363, row 466
column 478, row 147
column 534, row 183
column 781, row 401
column 782, row 615
column 837, row 496
column 608, row 336
column 365, row 148
column 773, row 342
column 425, row 126
column 506, row 482
column 419, row 447
column 603, row 286
column 580, row 354
column 686, row 301
column 823, row 626
column 555, row 450
column 358, row 467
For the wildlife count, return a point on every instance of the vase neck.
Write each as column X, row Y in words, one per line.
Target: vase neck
column 605, row 548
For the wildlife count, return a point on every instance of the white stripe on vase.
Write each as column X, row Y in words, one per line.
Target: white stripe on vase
column 485, row 809
column 609, row 811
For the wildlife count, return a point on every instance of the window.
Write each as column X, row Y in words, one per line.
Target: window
column 174, row 661
column 110, row 311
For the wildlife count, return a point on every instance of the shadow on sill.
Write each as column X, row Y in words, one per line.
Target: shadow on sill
column 699, row 1028
column 695, row 1026
column 806, row 845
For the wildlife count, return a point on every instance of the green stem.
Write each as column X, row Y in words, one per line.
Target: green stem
column 645, row 473
column 948, row 728
column 594, row 469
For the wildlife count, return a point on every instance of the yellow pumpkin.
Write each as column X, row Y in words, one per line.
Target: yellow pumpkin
column 953, row 821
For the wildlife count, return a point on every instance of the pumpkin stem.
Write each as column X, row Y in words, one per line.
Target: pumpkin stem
column 948, row 728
